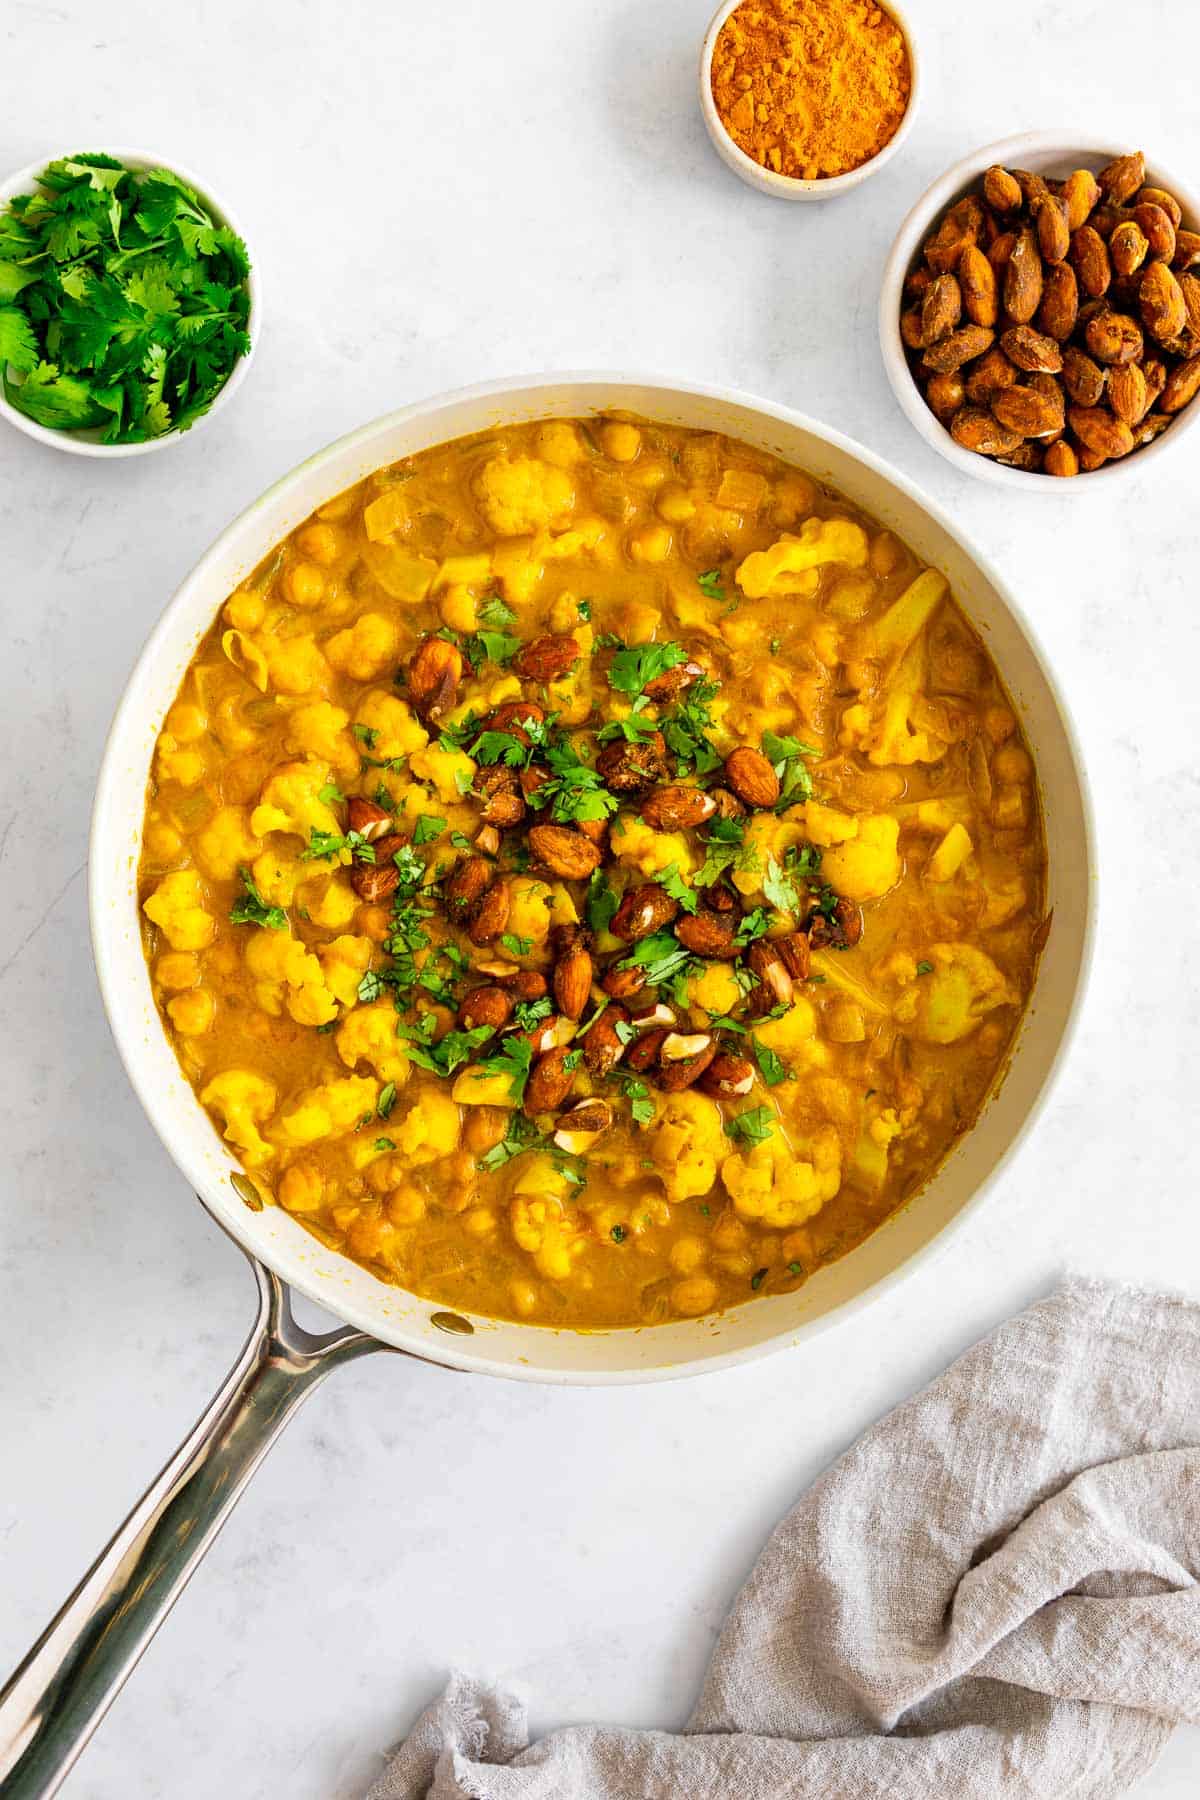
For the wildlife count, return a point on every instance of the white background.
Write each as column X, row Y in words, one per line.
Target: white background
column 437, row 195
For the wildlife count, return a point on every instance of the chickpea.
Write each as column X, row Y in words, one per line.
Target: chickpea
column 458, row 610
column 795, row 497
column 372, row 1239
column 305, row 585
column 374, row 922
column 163, row 841
column 384, row 1174
column 885, row 554
column 192, row 1013
column 650, row 544
column 177, row 970
column 675, row 504
column 698, row 1294
column 729, row 1232
column 223, row 959
column 301, row 1188
column 687, row 1254
column 405, row 1206
column 844, row 1023
column 245, row 611
column 481, row 1221
column 999, row 724
column 649, row 475
column 620, row 441
column 1011, row 764
column 735, row 1262
column 185, row 722
column 320, row 542
column 558, row 443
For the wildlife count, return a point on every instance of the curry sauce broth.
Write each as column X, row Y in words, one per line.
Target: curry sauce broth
column 302, row 1020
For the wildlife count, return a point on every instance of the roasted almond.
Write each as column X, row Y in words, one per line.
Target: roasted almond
column 796, row 953
column 577, row 1127
column 434, row 673
column 911, row 329
column 1000, row 249
column 677, row 808
column 1089, row 254
column 961, row 226
column 1060, row 459
column 564, row 852
column 1189, row 287
column 1023, row 278
column 706, row 934
column 627, row 768
column 1156, row 196
column 1127, row 247
column 1030, row 350
column 751, row 777
column 546, row 658
column 976, row 429
column 1181, row 386
column 767, row 964
column 1001, row 190
column 941, row 309
column 1098, row 431
column 945, row 394
column 961, row 346
column 1080, row 192
column 672, row 682
column 367, row 819
column 490, row 914
column 643, row 911
column 550, row 1081
column 1053, row 232
column 491, row 1006
column 1161, row 302
column 514, row 716
column 465, row 885
column 1082, row 377
column 1187, row 249
column 1157, row 227
column 503, row 804
column 990, row 375
column 621, row 983
column 1128, row 394
column 602, row 1043
column 642, row 1053
column 1121, row 178
column 375, row 881
column 1155, row 371
column 1059, row 308
column 1113, row 337
column 977, row 283
column 1152, row 426
column 677, row 1071
column 573, row 981
column 728, row 1077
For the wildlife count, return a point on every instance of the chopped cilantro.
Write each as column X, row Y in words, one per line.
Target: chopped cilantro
column 600, row 904
column 660, row 956
column 499, row 747
column 710, row 584
column 584, row 608
column 757, row 1279
column 635, row 665
column 427, row 829
column 516, row 946
column 386, row 1101
column 331, row 795
column 513, row 1059
column 322, row 844
column 499, row 646
column 780, row 888
column 771, row 1067
column 459, row 841
column 686, row 727
column 366, row 734
column 449, row 1053
column 528, row 1013
column 674, row 884
column 574, row 790
column 383, row 1143
column 252, row 909
column 924, row 968
column 753, row 1126
column 752, row 925
column 786, row 756
column 617, row 1234
column 495, row 613
column 795, row 1268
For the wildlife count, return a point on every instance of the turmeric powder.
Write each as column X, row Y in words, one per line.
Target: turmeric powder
column 810, row 88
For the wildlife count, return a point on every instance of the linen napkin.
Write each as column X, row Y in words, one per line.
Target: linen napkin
column 995, row 1592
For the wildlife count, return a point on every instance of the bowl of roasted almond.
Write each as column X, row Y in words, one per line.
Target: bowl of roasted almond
column 1040, row 311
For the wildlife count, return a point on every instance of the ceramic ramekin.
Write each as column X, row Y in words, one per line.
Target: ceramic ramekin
column 88, row 441
column 1043, row 153
column 789, row 187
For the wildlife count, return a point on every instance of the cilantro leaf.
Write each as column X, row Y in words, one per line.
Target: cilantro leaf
column 499, row 646
column 635, row 665
column 252, row 909
column 754, row 1126
column 771, row 1067
column 18, row 345
column 601, row 903
column 494, row 613
column 660, row 956
column 786, row 756
column 427, row 828
column 780, row 888
column 674, row 884
column 710, row 584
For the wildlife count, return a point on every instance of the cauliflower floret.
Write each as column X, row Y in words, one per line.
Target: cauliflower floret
column 226, row 842
column 343, row 964
column 869, row 1165
column 792, row 566
column 540, row 1227
column 177, row 907
column 827, row 826
column 793, row 1034
column 949, row 1003
column 899, row 729
column 868, row 865
column 780, row 1184
column 320, row 730
column 767, row 840
column 283, row 973
column 429, row 1129
column 276, row 876
column 330, row 1110
column 391, row 719
column 244, row 1100
column 448, row 772
column 366, row 648
column 648, row 851
column 331, row 903
column 520, row 494
column 291, row 801
column 295, row 664
column 368, row 1034
column 177, row 764
column 715, row 988
column 685, row 1140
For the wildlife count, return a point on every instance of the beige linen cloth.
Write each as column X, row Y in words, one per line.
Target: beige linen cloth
column 995, row 1592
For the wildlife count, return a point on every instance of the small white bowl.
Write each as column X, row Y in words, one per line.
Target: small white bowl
column 86, row 442
column 790, row 187
column 1044, row 153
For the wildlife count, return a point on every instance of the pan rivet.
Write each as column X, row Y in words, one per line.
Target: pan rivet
column 454, row 1322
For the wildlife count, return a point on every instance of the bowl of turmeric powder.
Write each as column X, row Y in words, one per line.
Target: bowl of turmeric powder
column 806, row 98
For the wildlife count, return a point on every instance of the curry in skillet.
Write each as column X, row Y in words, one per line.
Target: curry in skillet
column 591, row 874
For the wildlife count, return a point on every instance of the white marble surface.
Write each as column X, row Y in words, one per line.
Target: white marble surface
column 436, row 198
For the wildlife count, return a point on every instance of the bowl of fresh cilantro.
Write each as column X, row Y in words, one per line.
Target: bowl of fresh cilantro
column 128, row 305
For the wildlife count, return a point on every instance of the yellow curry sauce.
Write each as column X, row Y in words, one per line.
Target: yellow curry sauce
column 591, row 874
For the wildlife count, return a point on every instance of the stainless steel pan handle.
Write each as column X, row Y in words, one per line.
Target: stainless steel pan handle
column 54, row 1701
